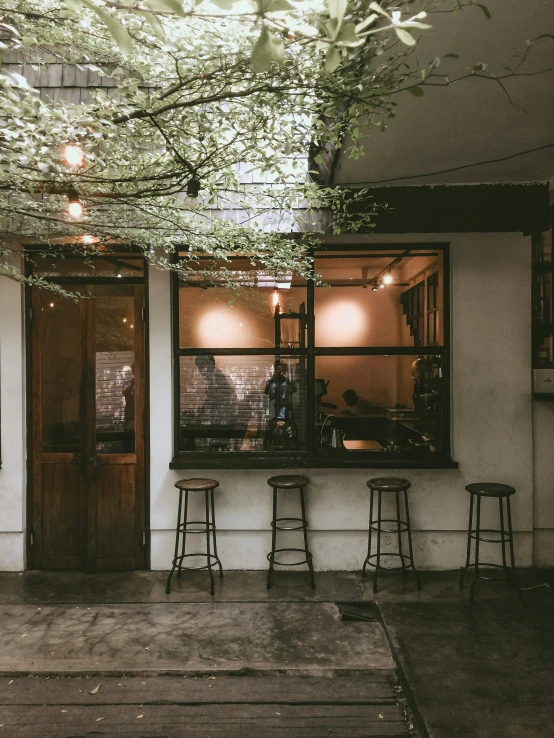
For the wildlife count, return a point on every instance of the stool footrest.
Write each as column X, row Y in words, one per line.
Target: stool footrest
column 271, row 557
column 184, row 527
column 303, row 524
column 501, row 539
column 179, row 560
column 402, row 529
column 404, row 557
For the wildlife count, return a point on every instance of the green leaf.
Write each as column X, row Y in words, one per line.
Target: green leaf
column 485, row 10
column 267, row 49
column 348, row 35
column 154, row 23
column 75, row 5
column 173, row 5
column 367, row 22
column 337, row 9
column 118, row 31
column 405, row 37
column 415, row 91
column 332, row 59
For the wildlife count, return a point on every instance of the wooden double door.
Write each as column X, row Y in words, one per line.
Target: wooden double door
column 87, row 399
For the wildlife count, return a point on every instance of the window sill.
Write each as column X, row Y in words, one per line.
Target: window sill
column 339, row 460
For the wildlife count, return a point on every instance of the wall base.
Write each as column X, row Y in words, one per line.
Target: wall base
column 12, row 551
column 339, row 550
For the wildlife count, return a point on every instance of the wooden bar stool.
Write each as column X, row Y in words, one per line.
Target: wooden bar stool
column 500, row 492
column 289, row 481
column 387, row 485
column 208, row 527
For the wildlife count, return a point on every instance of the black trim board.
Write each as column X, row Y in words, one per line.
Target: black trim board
column 486, row 208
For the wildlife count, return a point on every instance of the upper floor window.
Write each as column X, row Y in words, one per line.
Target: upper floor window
column 273, row 370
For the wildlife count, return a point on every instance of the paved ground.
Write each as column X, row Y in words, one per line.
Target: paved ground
column 253, row 663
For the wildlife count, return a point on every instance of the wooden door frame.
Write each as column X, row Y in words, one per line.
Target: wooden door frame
column 29, row 542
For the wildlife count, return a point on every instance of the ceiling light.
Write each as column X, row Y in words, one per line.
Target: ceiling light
column 387, row 279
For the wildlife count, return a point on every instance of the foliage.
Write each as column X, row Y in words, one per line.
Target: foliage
column 237, row 103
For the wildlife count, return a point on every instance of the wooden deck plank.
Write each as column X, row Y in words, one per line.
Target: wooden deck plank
column 373, row 688
column 203, row 721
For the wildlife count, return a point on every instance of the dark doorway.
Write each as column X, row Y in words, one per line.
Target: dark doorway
column 87, row 395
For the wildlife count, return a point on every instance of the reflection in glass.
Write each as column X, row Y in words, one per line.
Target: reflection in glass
column 242, row 403
column 114, row 332
column 60, row 374
column 368, row 302
column 380, row 403
column 242, row 316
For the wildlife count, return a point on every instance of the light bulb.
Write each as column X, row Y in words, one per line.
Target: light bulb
column 387, row 279
column 275, row 298
column 374, row 288
column 75, row 209
column 382, row 286
column 73, row 155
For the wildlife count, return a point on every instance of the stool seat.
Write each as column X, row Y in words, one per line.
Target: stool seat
column 196, row 485
column 389, row 484
column 288, row 481
column 490, row 489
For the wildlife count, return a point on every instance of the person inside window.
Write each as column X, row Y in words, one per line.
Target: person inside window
column 220, row 401
column 282, row 431
column 359, row 405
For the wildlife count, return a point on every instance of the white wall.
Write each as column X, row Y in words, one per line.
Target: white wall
column 492, row 433
column 12, row 410
column 491, row 428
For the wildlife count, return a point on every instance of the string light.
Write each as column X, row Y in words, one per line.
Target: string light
column 74, row 205
column 73, row 155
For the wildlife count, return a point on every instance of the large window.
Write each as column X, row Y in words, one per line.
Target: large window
column 274, row 372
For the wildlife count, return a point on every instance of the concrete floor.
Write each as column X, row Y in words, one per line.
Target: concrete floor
column 478, row 671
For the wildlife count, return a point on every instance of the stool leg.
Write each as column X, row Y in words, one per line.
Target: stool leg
column 468, row 556
column 305, row 530
column 168, row 585
column 273, row 538
column 410, row 547
column 214, row 536
column 512, row 557
column 477, row 535
column 398, row 523
column 184, row 532
column 369, row 536
column 206, row 496
column 502, row 533
column 376, row 575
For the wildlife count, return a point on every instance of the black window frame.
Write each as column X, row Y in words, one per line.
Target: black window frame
column 310, row 458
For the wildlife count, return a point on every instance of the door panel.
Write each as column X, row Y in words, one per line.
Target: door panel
column 88, row 429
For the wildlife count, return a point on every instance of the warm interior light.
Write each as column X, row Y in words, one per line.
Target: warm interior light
column 75, row 208
column 73, row 155
column 374, row 288
column 118, row 274
column 382, row 285
column 387, row 279
column 275, row 299
column 88, row 239
column 124, row 320
column 51, row 304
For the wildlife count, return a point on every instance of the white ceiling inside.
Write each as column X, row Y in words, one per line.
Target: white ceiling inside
column 471, row 121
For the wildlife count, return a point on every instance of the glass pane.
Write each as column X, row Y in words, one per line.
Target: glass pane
column 376, row 298
column 242, row 403
column 60, row 353
column 114, row 333
column 258, row 311
column 114, row 265
column 379, row 403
